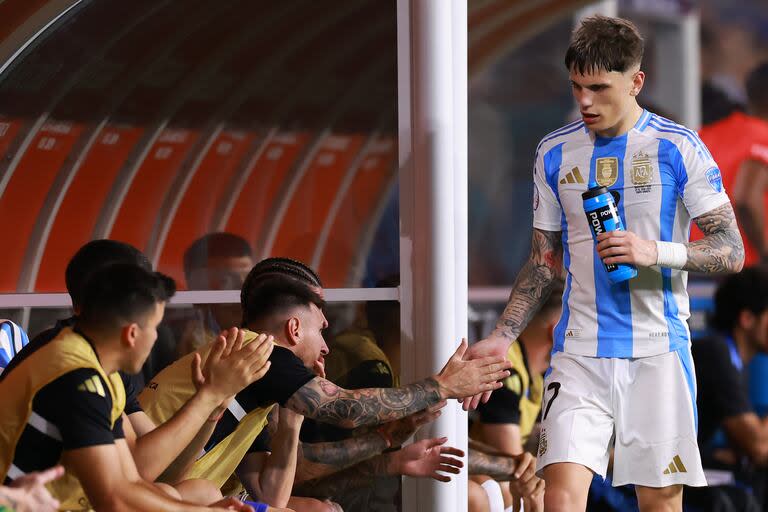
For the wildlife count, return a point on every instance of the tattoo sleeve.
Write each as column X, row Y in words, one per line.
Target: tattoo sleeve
column 534, row 283
column 498, row 467
column 317, row 460
column 721, row 250
column 357, row 477
column 324, row 401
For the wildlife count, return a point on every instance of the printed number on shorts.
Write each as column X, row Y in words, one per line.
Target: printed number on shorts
column 556, row 387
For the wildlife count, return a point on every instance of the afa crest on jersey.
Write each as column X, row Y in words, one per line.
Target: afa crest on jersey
column 607, row 171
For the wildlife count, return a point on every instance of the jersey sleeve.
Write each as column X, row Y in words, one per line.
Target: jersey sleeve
column 79, row 405
column 700, row 179
column 286, row 375
column 547, row 213
column 12, row 340
column 133, row 385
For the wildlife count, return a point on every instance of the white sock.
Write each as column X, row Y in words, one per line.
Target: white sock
column 495, row 499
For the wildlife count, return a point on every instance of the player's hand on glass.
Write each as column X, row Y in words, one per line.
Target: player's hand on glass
column 493, row 346
column 399, row 431
column 626, row 247
column 29, row 493
column 524, row 481
column 230, row 366
column 427, row 458
column 461, row 378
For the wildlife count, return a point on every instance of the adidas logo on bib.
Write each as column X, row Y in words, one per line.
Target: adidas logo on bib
column 676, row 466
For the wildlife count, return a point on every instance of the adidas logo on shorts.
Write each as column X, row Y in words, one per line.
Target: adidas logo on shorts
column 676, row 466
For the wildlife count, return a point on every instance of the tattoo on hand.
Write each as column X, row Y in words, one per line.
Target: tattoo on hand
column 324, row 401
column 721, row 250
column 534, row 283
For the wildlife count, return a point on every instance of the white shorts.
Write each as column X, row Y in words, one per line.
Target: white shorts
column 644, row 408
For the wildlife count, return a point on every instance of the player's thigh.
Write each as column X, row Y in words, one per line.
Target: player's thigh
column 656, row 422
column 478, row 499
column 567, row 487
column 577, row 421
column 660, row 499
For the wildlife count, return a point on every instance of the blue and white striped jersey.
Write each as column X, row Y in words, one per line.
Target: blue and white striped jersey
column 12, row 340
column 665, row 177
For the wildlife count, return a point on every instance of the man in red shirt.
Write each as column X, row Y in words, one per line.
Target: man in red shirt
column 739, row 144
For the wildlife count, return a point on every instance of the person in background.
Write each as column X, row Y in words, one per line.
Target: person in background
column 216, row 261
column 12, row 340
column 740, row 319
column 63, row 399
column 507, row 422
column 739, row 144
column 161, row 452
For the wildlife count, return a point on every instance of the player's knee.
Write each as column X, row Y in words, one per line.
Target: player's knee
column 660, row 499
column 563, row 499
column 198, row 490
column 478, row 500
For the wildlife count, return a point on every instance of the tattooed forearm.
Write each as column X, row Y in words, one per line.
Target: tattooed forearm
column 321, row 459
column 721, row 250
column 357, row 477
column 498, row 467
column 534, row 283
column 324, row 401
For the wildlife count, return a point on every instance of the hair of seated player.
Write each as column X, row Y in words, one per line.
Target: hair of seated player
column 279, row 266
column 745, row 291
column 275, row 294
column 602, row 43
column 214, row 245
column 122, row 293
column 757, row 88
column 95, row 255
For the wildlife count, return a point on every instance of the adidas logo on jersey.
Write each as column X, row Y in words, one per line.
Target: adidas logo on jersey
column 676, row 466
column 572, row 177
column 92, row 385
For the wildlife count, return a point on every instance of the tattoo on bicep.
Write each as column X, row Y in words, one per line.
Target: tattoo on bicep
column 534, row 283
column 324, row 401
column 721, row 250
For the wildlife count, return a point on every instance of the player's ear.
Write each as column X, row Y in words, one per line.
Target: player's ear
column 293, row 330
column 638, row 80
column 129, row 333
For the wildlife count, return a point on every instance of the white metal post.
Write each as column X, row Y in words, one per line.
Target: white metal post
column 432, row 99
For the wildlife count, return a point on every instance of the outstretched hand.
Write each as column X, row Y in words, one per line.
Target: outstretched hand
column 30, row 494
column 428, row 458
column 463, row 377
column 230, row 367
column 493, row 346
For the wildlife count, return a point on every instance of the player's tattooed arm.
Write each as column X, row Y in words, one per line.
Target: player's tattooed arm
column 499, row 467
column 721, row 250
column 357, row 477
column 317, row 460
column 533, row 284
column 326, row 402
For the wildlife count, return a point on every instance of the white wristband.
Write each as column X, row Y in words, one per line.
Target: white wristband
column 671, row 254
